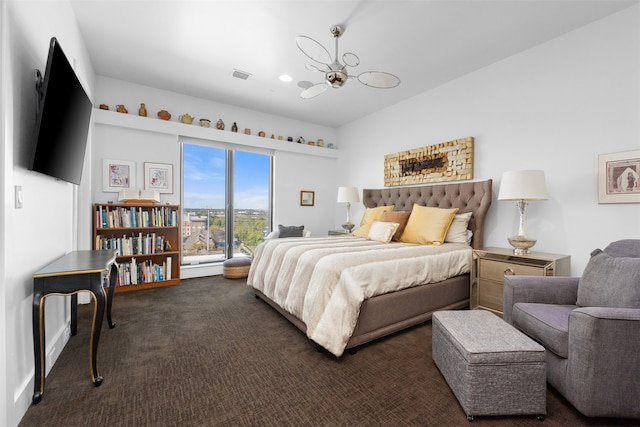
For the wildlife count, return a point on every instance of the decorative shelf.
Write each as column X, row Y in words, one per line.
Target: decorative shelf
column 133, row 121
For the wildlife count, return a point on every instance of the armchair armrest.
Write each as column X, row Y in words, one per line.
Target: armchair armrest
column 538, row 289
column 603, row 361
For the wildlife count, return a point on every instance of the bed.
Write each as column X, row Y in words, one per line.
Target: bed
column 345, row 291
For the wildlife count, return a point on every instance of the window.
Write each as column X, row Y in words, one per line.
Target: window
column 225, row 192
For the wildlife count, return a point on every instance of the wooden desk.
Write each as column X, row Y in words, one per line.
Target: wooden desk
column 79, row 271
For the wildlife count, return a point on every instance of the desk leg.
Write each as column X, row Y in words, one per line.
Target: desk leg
column 38, row 346
column 74, row 314
column 113, row 278
column 98, row 314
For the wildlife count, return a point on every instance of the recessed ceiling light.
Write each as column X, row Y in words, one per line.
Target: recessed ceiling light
column 285, row 78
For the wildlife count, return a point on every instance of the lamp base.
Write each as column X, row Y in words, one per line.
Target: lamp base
column 521, row 244
column 348, row 226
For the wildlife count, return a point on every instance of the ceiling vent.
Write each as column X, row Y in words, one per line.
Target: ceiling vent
column 241, row 74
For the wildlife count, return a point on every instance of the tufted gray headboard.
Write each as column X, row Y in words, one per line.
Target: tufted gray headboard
column 466, row 196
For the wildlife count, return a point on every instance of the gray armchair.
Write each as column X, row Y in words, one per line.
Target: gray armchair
column 590, row 328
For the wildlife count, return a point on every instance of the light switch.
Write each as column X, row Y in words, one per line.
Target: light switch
column 18, row 196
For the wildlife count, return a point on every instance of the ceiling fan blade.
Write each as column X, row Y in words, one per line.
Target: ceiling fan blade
column 313, row 50
column 313, row 91
column 312, row 67
column 351, row 59
column 378, row 79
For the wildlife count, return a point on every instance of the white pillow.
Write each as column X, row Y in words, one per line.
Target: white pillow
column 458, row 232
column 382, row 231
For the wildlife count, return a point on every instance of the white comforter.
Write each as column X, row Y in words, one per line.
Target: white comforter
column 324, row 280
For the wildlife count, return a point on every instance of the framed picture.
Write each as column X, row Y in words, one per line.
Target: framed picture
column 306, row 198
column 619, row 177
column 446, row 161
column 158, row 176
column 118, row 175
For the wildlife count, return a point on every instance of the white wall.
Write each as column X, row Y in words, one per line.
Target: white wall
column 554, row 107
column 293, row 171
column 45, row 227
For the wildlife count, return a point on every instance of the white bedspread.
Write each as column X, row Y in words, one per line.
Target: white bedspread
column 324, row 280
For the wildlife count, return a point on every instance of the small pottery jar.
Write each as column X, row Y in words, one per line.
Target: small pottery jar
column 142, row 111
column 290, row 139
column 320, row 142
column 247, row 131
column 121, row 109
column 205, row 123
column 104, row 107
column 164, row 115
column 234, row 127
column 186, row 119
column 261, row 133
column 220, row 124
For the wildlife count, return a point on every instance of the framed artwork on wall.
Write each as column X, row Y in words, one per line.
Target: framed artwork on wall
column 446, row 161
column 159, row 177
column 306, row 198
column 619, row 177
column 118, row 175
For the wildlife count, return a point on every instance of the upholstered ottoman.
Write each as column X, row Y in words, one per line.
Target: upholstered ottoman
column 236, row 268
column 491, row 367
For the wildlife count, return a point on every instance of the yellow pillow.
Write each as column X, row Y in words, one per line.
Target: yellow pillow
column 370, row 215
column 427, row 225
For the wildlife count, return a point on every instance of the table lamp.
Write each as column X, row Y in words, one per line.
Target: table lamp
column 348, row 195
column 522, row 186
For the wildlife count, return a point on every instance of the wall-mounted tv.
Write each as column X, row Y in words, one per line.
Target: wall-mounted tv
column 62, row 122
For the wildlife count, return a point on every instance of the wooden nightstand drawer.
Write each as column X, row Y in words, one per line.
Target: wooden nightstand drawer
column 492, row 264
column 496, row 270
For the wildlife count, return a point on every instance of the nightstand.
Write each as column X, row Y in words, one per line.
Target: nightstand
column 490, row 265
column 338, row 233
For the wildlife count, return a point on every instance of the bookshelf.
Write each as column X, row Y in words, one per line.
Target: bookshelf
column 146, row 238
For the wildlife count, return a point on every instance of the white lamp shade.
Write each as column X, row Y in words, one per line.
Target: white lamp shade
column 523, row 185
column 348, row 195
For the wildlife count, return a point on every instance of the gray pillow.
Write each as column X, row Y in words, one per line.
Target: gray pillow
column 610, row 281
column 291, row 231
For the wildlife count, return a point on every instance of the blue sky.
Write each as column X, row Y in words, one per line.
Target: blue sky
column 204, row 178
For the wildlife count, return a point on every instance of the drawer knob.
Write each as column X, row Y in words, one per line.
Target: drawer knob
column 509, row 271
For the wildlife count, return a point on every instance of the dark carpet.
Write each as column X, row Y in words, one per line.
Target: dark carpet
column 207, row 353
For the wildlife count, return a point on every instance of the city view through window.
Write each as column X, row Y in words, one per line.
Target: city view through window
column 204, row 223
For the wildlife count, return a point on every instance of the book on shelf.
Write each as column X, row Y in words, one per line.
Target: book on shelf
column 135, row 244
column 135, row 216
column 135, row 273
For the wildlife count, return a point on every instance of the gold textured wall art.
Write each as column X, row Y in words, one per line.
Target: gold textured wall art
column 446, row 161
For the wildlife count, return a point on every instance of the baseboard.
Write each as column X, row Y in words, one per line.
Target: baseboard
column 204, row 270
column 24, row 393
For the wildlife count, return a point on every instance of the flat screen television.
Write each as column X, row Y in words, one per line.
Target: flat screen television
column 62, row 121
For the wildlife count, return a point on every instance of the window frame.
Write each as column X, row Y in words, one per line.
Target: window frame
column 230, row 150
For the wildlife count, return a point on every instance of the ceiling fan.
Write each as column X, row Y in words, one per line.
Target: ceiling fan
column 335, row 72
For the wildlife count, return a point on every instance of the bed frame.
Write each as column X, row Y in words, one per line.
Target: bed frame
column 388, row 313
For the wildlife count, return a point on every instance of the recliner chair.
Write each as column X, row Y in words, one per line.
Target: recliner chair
column 590, row 328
